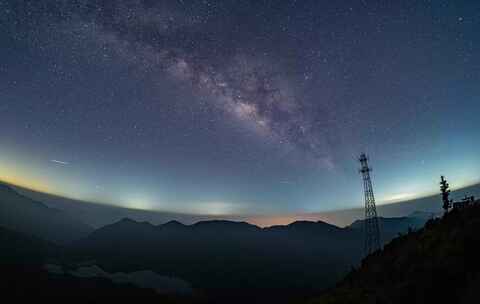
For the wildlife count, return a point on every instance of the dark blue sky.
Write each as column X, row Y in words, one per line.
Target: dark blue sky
column 238, row 107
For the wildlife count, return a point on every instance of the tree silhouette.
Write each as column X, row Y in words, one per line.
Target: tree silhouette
column 444, row 187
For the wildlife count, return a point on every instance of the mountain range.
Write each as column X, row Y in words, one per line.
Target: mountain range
column 215, row 257
column 20, row 213
column 225, row 257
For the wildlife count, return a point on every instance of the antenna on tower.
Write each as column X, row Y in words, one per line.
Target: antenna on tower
column 372, row 230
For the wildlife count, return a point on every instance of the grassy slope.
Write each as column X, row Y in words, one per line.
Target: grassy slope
column 438, row 263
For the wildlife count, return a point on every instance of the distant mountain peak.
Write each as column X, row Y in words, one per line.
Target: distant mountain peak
column 127, row 220
column 423, row 214
column 132, row 222
column 306, row 223
column 301, row 222
column 173, row 223
column 222, row 222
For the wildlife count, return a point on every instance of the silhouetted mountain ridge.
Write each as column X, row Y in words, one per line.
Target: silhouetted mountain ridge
column 172, row 224
column 23, row 214
column 218, row 226
column 227, row 256
column 424, row 215
column 391, row 227
column 307, row 226
column 222, row 256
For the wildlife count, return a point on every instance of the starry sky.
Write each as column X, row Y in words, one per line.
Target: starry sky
column 238, row 107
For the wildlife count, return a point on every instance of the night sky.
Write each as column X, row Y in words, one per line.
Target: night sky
column 238, row 107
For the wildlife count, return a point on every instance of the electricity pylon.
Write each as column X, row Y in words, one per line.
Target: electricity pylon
column 372, row 229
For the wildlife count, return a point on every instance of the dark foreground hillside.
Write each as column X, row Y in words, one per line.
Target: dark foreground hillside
column 437, row 264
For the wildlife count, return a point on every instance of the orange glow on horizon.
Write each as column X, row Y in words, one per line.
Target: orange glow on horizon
column 14, row 180
column 267, row 221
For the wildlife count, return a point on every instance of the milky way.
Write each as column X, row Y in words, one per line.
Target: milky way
column 237, row 107
column 252, row 90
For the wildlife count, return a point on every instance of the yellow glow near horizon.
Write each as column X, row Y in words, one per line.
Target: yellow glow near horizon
column 398, row 197
column 139, row 203
column 11, row 176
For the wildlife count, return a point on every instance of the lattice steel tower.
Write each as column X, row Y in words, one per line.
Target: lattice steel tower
column 372, row 230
